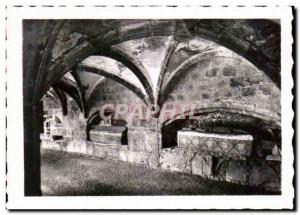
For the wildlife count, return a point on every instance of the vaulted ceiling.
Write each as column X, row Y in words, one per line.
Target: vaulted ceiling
column 146, row 56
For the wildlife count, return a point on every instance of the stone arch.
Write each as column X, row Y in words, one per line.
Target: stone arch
column 103, row 41
column 63, row 99
column 93, row 91
column 168, row 83
column 51, row 96
column 117, row 78
column 93, row 119
column 224, row 32
column 53, row 29
column 71, row 89
column 127, row 61
column 170, row 50
column 138, row 70
column 232, row 109
column 82, row 95
column 136, row 67
column 58, row 120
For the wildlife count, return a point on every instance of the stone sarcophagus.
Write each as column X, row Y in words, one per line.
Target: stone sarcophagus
column 236, row 146
column 109, row 135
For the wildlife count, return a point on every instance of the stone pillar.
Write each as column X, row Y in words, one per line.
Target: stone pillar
column 82, row 126
column 202, row 165
column 32, row 164
column 154, row 138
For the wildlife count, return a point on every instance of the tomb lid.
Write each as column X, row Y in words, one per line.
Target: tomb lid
column 109, row 128
column 232, row 136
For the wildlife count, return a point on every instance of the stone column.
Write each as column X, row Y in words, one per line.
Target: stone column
column 154, row 138
column 83, row 124
column 32, row 164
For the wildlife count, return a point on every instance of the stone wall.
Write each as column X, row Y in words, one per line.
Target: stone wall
column 227, row 82
column 251, row 172
column 141, row 149
column 73, row 123
column 111, row 92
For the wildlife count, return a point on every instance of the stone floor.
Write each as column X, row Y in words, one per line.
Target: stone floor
column 65, row 174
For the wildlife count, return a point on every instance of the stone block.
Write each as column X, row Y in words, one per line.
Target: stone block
column 110, row 152
column 216, row 144
column 180, row 97
column 58, row 131
column 267, row 146
column 266, row 90
column 77, row 147
column 71, row 147
column 262, row 175
column 137, row 139
column 109, row 134
column 247, row 69
column 202, row 165
column 176, row 159
column 237, row 82
column 217, row 95
column 89, row 148
column 138, row 157
column 226, row 93
column 249, row 91
column 190, row 87
column 153, row 141
column 229, row 71
column 153, row 160
column 143, row 140
column 80, row 135
column 195, row 76
column 273, row 158
column 46, row 142
column 237, row 172
column 222, row 83
column 203, row 87
column 205, row 95
column 254, row 79
column 123, row 154
column 212, row 72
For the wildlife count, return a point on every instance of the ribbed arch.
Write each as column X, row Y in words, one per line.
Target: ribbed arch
column 219, row 31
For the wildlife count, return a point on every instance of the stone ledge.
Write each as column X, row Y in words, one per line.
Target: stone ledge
column 102, row 150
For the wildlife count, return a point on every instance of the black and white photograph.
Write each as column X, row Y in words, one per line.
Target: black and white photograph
column 151, row 107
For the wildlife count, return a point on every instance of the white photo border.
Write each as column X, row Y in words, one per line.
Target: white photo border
column 15, row 151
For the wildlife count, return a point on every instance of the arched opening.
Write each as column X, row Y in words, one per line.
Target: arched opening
column 221, row 122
